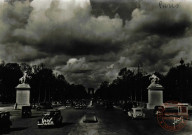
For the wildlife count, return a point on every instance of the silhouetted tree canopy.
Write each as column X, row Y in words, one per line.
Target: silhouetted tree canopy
column 45, row 86
column 129, row 85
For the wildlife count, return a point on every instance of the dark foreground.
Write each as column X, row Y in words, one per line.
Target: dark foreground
column 110, row 122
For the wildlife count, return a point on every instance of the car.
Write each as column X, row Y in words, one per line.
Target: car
column 68, row 104
column 5, row 121
column 90, row 117
column 127, row 107
column 44, row 105
column 50, row 118
column 158, row 110
column 84, row 105
column 108, row 105
column 136, row 113
column 26, row 111
column 78, row 106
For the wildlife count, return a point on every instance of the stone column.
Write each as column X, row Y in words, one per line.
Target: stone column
column 22, row 95
column 155, row 94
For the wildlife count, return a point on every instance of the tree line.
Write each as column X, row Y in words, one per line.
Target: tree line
column 132, row 85
column 45, row 85
column 129, row 85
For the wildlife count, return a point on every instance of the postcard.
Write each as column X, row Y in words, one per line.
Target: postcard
column 96, row 67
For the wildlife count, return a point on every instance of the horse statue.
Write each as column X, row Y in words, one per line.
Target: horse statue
column 154, row 79
column 25, row 76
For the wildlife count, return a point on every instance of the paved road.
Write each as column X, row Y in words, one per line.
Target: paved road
column 111, row 122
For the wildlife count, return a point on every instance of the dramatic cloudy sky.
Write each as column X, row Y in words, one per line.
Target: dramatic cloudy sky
column 90, row 41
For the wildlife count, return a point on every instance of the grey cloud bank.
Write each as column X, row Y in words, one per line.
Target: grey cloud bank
column 90, row 47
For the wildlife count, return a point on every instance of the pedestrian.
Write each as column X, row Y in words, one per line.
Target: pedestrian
column 15, row 106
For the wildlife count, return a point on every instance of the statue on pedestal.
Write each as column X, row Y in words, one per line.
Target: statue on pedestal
column 23, row 92
column 25, row 76
column 155, row 93
column 154, row 79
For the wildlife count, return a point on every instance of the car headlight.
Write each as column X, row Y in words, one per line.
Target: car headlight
column 39, row 121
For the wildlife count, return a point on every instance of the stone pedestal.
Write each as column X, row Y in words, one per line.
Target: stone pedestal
column 22, row 95
column 155, row 95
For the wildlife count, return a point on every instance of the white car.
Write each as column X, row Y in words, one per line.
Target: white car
column 90, row 117
column 136, row 113
column 50, row 118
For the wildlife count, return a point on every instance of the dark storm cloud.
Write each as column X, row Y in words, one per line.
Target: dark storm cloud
column 88, row 73
column 91, row 43
column 13, row 17
column 72, row 33
column 164, row 23
column 82, row 71
column 56, row 29
column 51, row 60
column 146, row 53
column 110, row 8
column 77, row 46
column 12, row 52
column 105, row 58
column 152, row 29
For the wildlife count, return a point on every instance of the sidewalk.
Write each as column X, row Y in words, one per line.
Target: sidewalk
column 7, row 108
column 10, row 108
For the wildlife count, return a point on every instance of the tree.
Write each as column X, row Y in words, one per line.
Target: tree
column 9, row 76
column 102, row 92
column 43, row 80
column 59, row 93
column 127, row 86
column 178, row 83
